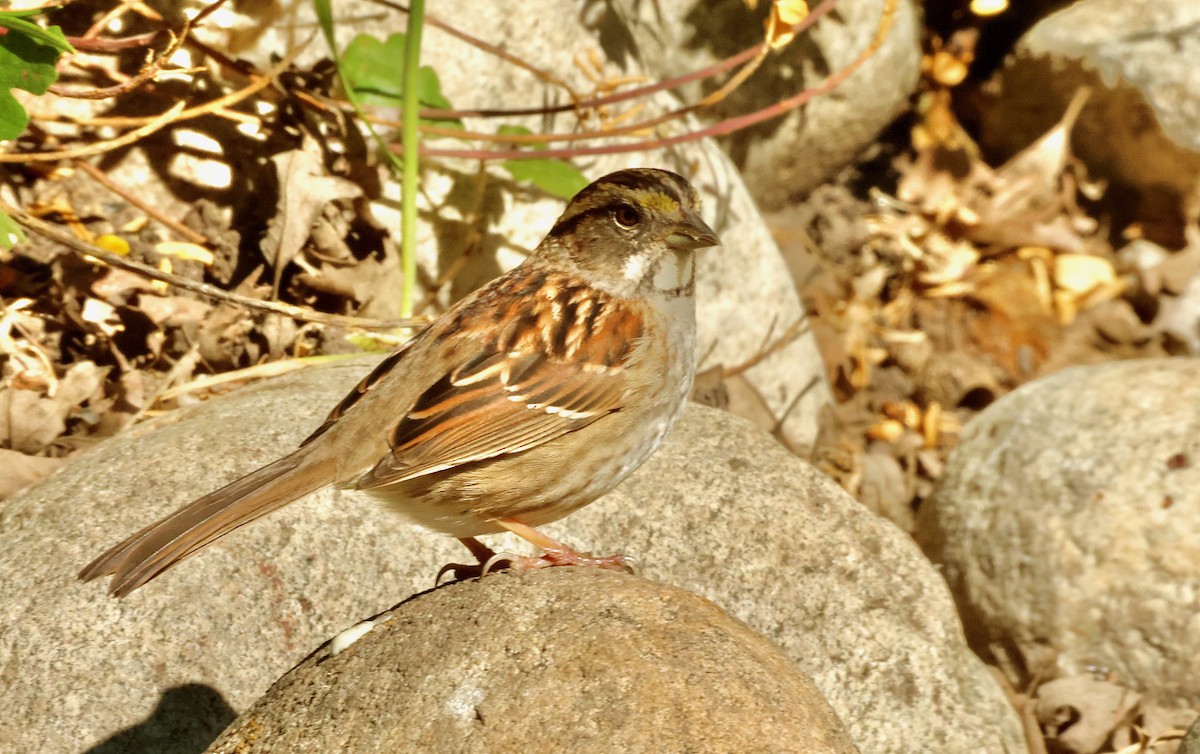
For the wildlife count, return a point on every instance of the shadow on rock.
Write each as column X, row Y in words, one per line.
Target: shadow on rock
column 187, row 719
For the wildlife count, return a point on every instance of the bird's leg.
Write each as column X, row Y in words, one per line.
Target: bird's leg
column 482, row 552
column 555, row 553
column 486, row 556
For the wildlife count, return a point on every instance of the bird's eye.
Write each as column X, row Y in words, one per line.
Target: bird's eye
column 627, row 216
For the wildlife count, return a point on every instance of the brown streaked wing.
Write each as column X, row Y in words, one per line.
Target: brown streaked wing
column 510, row 399
column 381, row 370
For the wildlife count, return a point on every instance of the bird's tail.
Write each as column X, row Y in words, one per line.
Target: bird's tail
column 161, row 545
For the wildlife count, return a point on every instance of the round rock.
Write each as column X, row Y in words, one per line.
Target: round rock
column 783, row 158
column 565, row 659
column 721, row 510
column 1140, row 60
column 1068, row 526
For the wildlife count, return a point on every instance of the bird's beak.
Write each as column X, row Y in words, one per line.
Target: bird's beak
column 692, row 233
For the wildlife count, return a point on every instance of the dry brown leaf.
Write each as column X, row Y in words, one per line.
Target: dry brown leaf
column 117, row 285
column 184, row 250
column 305, row 187
column 1080, row 713
column 1159, row 729
column 1026, row 201
column 18, row 471
column 1082, row 281
column 946, row 261
column 128, row 398
column 1021, row 328
column 887, row 430
column 103, row 315
column 784, row 15
column 31, row 419
column 173, row 311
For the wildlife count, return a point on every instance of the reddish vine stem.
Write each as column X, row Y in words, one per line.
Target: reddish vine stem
column 148, row 72
column 94, row 44
column 722, row 128
column 611, row 99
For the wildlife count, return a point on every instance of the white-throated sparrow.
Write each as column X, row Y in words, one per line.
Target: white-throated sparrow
column 528, row 399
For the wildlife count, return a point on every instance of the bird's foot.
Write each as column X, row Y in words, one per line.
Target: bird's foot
column 554, row 557
column 554, row 554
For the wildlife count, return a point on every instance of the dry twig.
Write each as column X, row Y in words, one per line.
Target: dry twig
column 204, row 289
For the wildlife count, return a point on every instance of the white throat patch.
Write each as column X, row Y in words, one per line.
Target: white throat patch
column 675, row 270
column 635, row 267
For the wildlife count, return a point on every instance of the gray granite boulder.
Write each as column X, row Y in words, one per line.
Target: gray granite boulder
column 1140, row 129
column 1191, row 742
column 1068, row 526
column 566, row 659
column 784, row 158
column 721, row 510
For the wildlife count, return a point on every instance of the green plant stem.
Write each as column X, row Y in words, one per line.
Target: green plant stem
column 411, row 142
column 408, row 262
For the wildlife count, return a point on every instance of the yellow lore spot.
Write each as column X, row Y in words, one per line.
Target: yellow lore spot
column 656, row 200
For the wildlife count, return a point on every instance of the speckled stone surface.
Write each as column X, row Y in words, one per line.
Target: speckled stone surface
column 1068, row 526
column 565, row 659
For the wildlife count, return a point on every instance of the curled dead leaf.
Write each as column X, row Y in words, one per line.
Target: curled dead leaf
column 18, row 471
column 985, row 8
column 784, row 15
column 1079, row 714
column 888, row 430
column 183, row 250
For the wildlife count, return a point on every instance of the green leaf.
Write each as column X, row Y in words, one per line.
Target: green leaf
column 561, row 179
column 25, row 63
column 325, row 20
column 11, row 233
column 376, row 71
column 13, row 117
column 552, row 176
column 506, row 129
column 429, row 89
column 51, row 37
column 375, row 68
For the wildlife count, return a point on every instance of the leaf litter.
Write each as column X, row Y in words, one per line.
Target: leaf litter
column 928, row 303
column 964, row 281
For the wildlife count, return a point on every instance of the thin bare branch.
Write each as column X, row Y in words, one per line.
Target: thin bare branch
column 159, row 121
column 102, row 256
column 148, row 72
column 132, row 197
column 218, row 106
